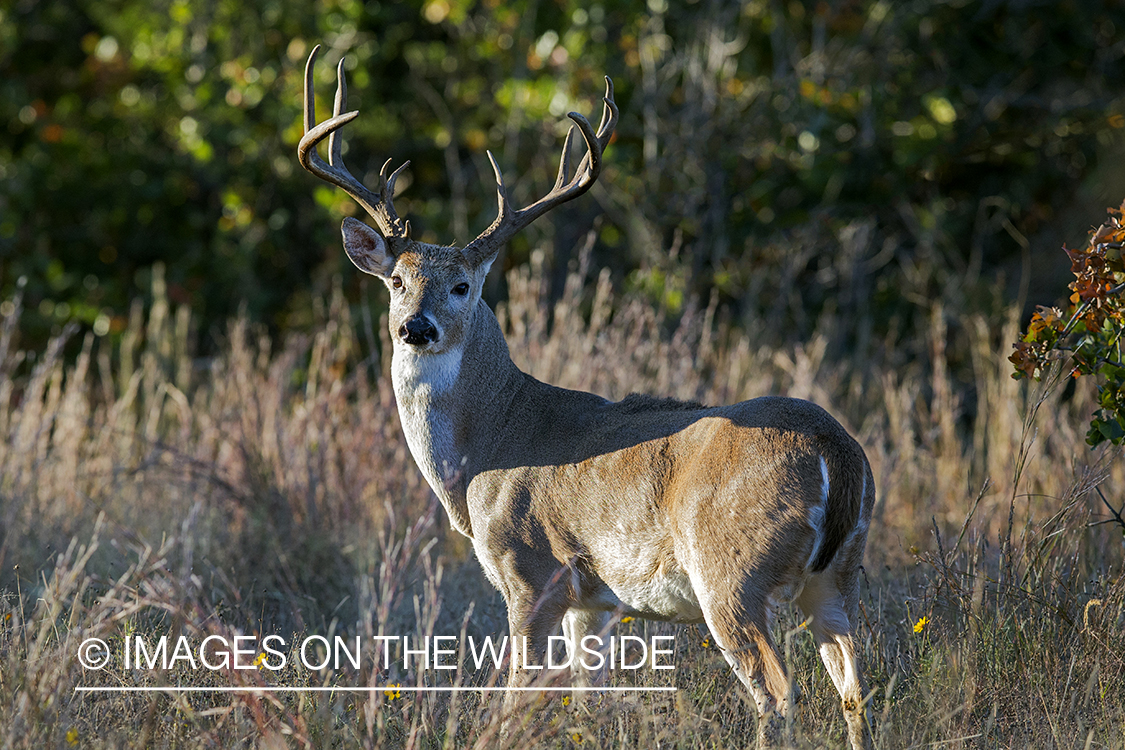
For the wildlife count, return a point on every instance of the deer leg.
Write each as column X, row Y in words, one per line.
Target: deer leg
column 755, row 660
column 736, row 608
column 576, row 625
column 831, row 626
column 529, row 645
column 530, row 621
column 742, row 634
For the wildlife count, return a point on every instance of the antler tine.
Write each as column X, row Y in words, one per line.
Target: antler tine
column 335, row 142
column 591, row 165
column 379, row 206
column 608, row 122
column 609, row 114
column 509, row 221
column 564, row 162
column 388, row 183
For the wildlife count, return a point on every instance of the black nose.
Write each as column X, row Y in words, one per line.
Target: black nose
column 418, row 331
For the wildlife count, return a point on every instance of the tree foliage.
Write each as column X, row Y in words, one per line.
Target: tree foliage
column 783, row 156
column 1088, row 335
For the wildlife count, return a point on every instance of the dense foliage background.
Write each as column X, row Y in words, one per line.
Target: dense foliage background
column 781, row 156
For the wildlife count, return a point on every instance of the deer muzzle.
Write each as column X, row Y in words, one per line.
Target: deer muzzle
column 418, row 331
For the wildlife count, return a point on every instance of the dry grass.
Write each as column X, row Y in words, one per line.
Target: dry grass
column 269, row 490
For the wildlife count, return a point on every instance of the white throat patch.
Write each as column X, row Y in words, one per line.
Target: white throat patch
column 423, row 374
column 420, row 379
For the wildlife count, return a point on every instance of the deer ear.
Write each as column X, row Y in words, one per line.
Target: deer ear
column 479, row 260
column 367, row 248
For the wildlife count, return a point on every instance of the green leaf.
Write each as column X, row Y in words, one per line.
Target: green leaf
column 1111, row 430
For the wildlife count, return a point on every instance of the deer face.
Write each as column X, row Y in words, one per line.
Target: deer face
column 434, row 289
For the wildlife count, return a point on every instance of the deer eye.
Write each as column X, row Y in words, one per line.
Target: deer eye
column 461, row 289
column 396, row 282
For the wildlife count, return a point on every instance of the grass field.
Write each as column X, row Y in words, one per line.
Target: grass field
column 269, row 490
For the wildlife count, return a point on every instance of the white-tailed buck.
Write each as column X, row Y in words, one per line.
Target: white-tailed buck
column 578, row 506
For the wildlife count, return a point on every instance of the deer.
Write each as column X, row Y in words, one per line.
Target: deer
column 578, row 507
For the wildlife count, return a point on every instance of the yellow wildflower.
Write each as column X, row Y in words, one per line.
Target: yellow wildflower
column 72, row 736
column 393, row 691
column 566, row 700
column 626, row 619
column 922, row 623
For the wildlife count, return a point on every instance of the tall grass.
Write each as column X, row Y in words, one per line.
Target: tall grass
column 269, row 490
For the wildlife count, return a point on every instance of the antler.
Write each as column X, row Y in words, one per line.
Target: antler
column 510, row 220
column 379, row 205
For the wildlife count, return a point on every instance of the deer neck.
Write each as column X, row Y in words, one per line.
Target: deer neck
column 451, row 405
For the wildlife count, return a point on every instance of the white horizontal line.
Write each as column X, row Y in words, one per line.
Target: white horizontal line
column 381, row 689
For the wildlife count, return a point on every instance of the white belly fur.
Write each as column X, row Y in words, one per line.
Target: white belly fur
column 665, row 595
